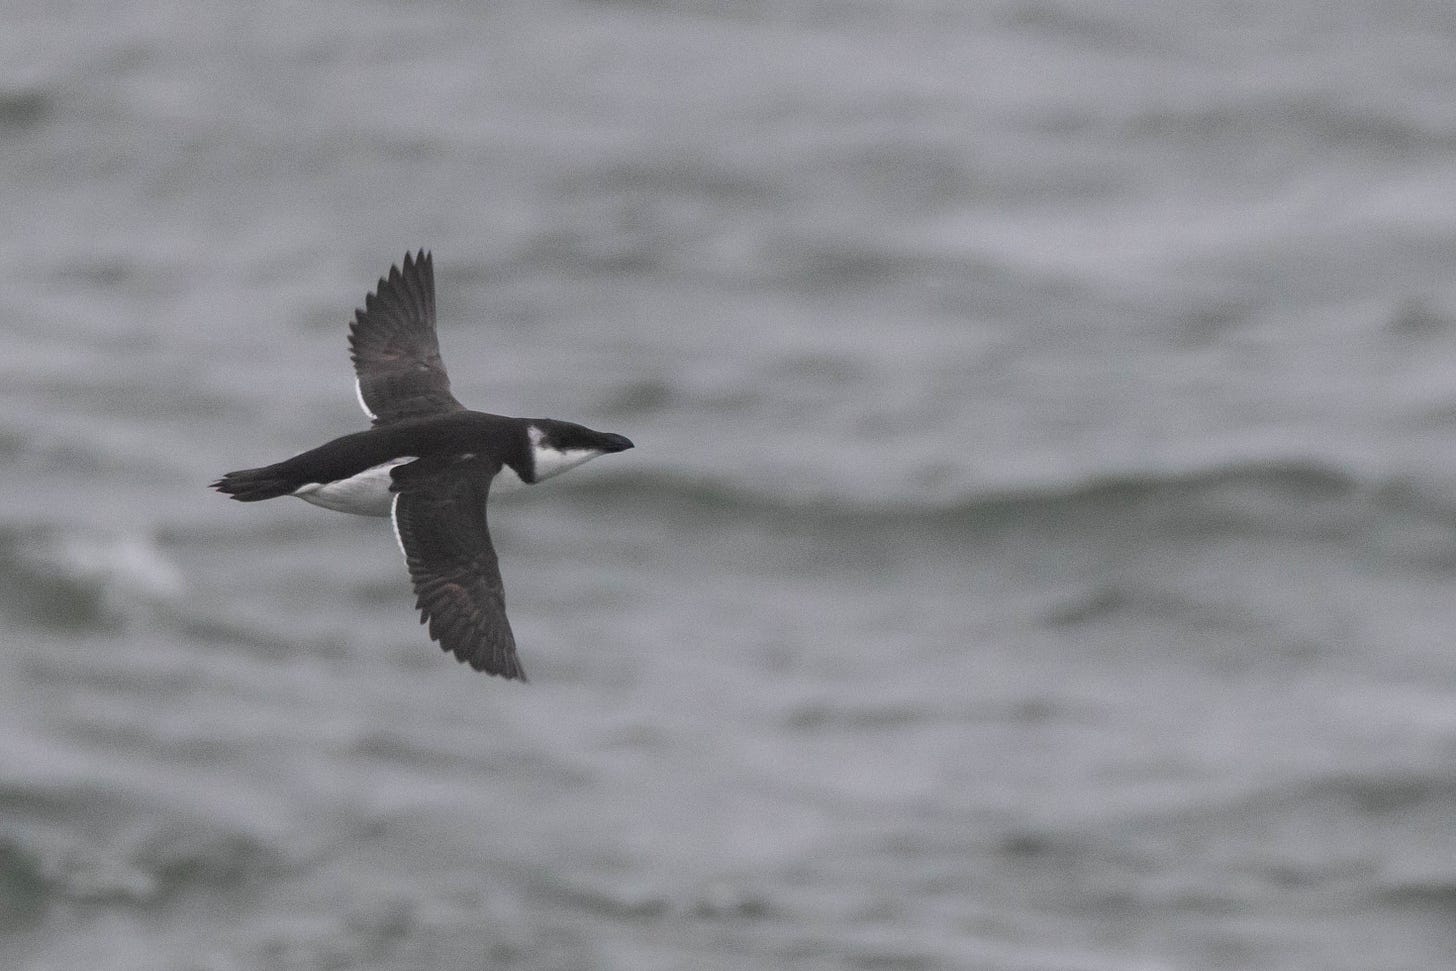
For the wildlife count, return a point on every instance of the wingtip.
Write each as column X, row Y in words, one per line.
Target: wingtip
column 508, row 672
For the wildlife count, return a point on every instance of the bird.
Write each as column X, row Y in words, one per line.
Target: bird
column 430, row 464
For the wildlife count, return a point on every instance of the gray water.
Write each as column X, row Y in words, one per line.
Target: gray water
column 1039, row 553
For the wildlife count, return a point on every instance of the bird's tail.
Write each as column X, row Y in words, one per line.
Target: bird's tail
column 252, row 485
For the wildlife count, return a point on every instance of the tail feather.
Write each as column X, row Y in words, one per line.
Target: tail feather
column 253, row 485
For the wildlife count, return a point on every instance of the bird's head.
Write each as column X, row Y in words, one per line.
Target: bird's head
column 556, row 446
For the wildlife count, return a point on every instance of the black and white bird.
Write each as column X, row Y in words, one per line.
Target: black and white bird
column 430, row 464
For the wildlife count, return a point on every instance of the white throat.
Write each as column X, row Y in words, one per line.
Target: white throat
column 550, row 461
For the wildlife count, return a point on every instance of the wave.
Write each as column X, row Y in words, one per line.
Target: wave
column 1421, row 892
column 86, row 578
column 1286, row 114
column 82, row 579
column 1283, row 495
column 26, row 108
column 141, row 851
column 22, row 884
column 1317, row 835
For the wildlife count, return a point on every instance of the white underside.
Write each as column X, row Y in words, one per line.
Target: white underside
column 367, row 493
column 364, row 494
column 506, row 482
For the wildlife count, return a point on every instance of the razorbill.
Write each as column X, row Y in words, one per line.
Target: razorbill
column 429, row 463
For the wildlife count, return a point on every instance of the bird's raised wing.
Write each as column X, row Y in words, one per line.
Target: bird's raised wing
column 394, row 349
column 439, row 518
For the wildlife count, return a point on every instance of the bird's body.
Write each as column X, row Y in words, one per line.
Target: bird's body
column 430, row 464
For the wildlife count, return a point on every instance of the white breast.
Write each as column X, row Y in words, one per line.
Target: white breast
column 363, row 494
column 506, row 482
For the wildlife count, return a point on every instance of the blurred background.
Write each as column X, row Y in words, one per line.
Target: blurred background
column 1039, row 553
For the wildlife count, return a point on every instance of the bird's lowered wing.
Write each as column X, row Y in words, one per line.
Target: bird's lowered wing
column 394, row 349
column 439, row 518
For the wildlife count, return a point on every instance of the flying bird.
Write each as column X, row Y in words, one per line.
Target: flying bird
column 429, row 463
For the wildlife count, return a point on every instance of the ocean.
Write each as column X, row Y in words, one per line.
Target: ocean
column 1039, row 552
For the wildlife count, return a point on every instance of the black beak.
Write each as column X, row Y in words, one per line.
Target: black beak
column 614, row 443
